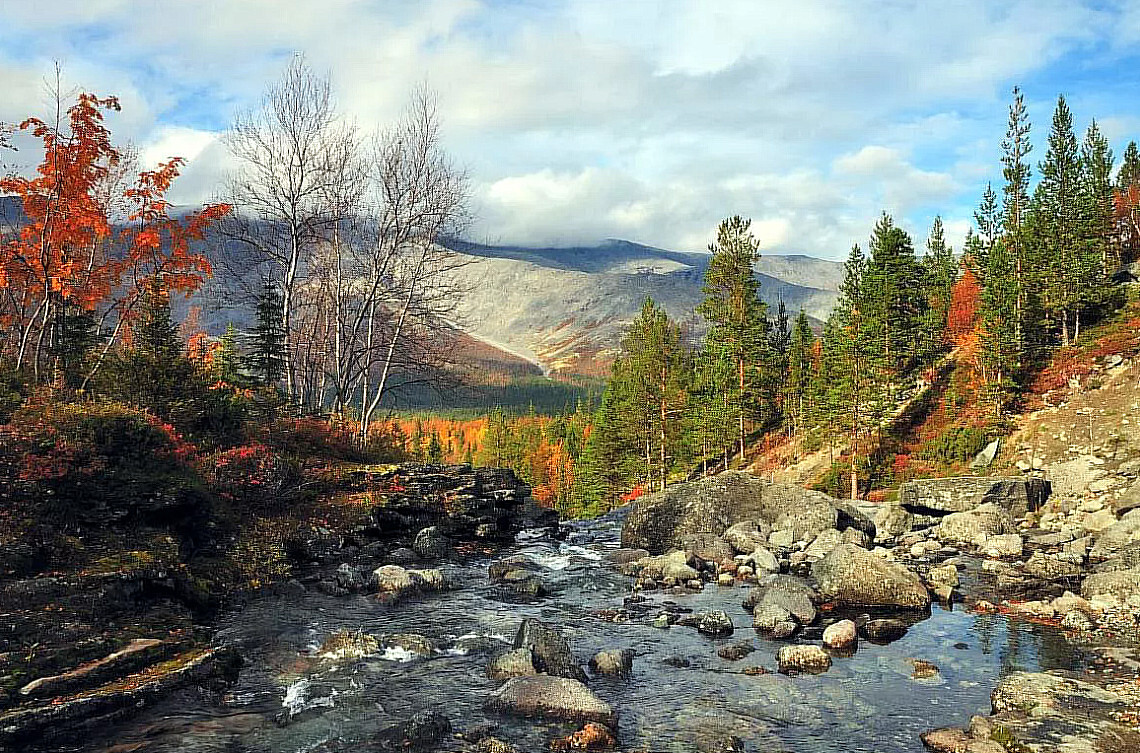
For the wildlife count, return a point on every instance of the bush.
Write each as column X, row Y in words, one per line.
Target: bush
column 311, row 438
column 251, row 475
column 98, row 462
column 958, row 444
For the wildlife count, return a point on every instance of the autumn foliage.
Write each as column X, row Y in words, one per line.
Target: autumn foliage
column 92, row 234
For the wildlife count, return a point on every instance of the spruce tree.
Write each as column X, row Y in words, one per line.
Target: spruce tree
column 227, row 360
column 893, row 302
column 738, row 322
column 266, row 360
column 1000, row 348
column 988, row 216
column 1099, row 251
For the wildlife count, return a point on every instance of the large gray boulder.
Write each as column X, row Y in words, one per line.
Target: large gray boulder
column 676, row 516
column 1042, row 712
column 850, row 575
column 946, row 495
column 1120, row 587
column 1112, row 540
column 551, row 697
column 977, row 526
column 786, row 593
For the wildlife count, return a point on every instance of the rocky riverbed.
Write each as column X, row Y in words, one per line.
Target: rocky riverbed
column 724, row 615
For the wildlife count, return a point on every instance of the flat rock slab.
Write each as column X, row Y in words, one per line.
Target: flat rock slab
column 553, row 698
column 1042, row 711
column 946, row 495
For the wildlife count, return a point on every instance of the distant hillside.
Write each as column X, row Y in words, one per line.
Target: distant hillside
column 566, row 308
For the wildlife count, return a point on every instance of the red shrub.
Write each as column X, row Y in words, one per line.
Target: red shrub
column 251, row 475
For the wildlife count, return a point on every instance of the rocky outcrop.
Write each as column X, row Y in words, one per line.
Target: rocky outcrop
column 852, row 576
column 668, row 519
column 946, row 495
column 461, row 502
column 552, row 697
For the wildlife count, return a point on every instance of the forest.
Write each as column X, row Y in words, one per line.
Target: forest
column 340, row 263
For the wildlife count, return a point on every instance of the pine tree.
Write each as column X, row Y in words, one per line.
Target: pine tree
column 1056, row 221
column 941, row 271
column 1099, row 251
column 849, row 352
column 1129, row 174
column 738, row 323
column 893, row 303
column 999, row 344
column 796, row 392
column 74, row 335
column 1015, row 151
column 266, row 358
column 989, row 218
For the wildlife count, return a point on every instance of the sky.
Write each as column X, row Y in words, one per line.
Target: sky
column 581, row 120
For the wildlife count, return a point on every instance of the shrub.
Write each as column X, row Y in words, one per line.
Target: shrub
column 251, row 475
column 312, row 437
column 97, row 462
column 958, row 444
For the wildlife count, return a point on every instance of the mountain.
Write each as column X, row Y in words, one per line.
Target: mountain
column 566, row 308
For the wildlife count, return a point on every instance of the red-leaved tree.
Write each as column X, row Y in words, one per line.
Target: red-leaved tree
column 90, row 238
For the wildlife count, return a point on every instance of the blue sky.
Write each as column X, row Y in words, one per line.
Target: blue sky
column 586, row 119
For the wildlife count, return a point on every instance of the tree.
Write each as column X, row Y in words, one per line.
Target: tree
column 266, row 359
column 1129, row 173
column 796, row 391
column 941, row 271
column 1056, row 221
column 227, row 360
column 288, row 188
column 94, row 232
column 893, row 302
column 989, row 218
column 1015, row 151
column 738, row 323
column 999, row 333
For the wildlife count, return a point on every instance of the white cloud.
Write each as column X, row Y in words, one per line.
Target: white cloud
column 583, row 119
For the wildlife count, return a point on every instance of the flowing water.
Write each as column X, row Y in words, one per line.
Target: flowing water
column 866, row 702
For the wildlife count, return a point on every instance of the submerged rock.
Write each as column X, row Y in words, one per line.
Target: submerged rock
column 421, row 732
column 884, row 630
column 552, row 697
column 518, row 662
column 613, row 662
column 803, row 658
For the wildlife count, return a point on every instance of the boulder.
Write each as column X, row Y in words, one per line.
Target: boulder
column 946, row 495
column 975, row 527
column 944, row 575
column 614, row 661
column 518, row 662
column 715, row 624
column 430, row 543
column 884, row 630
column 551, row 697
column 822, row 544
column 852, row 576
column 1116, row 537
column 1003, row 545
column 421, row 732
column 1050, row 567
column 1120, row 586
column 841, row 636
column 1044, row 712
column 709, row 548
column 892, row 521
column 621, row 557
column 673, row 565
column 786, row 592
column 667, row 519
column 551, row 651
column 803, row 658
column 350, row 578
column 774, row 621
column 763, row 561
column 985, row 458
column 746, row 536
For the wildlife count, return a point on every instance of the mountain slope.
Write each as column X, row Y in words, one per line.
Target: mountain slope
column 566, row 308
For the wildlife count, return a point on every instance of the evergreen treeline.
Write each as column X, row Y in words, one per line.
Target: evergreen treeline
column 1035, row 273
